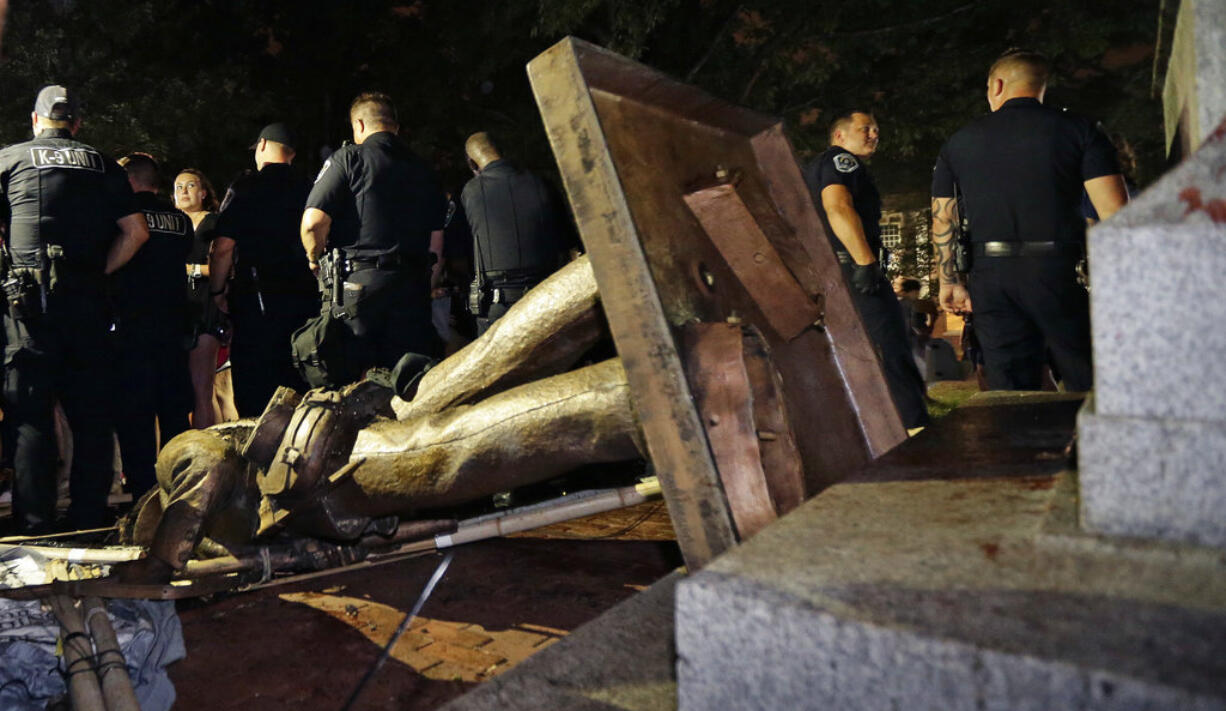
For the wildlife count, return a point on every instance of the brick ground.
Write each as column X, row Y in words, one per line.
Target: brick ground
column 437, row 649
column 304, row 646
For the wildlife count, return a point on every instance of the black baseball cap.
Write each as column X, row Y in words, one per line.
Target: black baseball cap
column 278, row 132
column 56, row 102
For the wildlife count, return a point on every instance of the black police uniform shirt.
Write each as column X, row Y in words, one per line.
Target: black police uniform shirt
column 516, row 221
column 262, row 213
column 1021, row 170
column 59, row 191
column 837, row 166
column 149, row 292
column 382, row 199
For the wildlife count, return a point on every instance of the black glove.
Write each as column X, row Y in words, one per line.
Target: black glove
column 866, row 278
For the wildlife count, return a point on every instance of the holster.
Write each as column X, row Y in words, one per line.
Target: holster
column 479, row 299
column 23, row 292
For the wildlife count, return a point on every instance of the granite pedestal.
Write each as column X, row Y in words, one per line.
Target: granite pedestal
column 955, row 584
column 1153, row 438
column 1194, row 89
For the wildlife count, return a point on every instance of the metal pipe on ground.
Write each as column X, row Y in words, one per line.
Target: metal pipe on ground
column 83, row 686
column 546, row 513
column 524, row 518
column 112, row 672
column 412, row 536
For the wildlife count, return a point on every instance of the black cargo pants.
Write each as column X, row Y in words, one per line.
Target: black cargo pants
column 64, row 355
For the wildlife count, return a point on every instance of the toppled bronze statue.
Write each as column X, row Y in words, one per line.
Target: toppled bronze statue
column 337, row 465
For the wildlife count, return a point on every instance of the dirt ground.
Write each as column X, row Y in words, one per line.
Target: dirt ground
column 305, row 646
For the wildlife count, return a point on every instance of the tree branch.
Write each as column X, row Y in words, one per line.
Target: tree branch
column 719, row 37
column 906, row 25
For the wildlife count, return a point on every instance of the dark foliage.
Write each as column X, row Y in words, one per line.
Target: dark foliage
column 192, row 81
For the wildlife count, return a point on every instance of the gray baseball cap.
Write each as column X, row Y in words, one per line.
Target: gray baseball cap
column 57, row 103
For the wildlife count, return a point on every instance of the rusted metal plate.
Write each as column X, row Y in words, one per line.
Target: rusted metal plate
column 716, row 368
column 777, row 450
column 630, row 144
column 754, row 262
column 736, row 391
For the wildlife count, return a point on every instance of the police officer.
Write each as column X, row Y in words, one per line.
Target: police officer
column 849, row 206
column 273, row 290
column 62, row 204
column 151, row 331
column 381, row 207
column 518, row 229
column 1021, row 170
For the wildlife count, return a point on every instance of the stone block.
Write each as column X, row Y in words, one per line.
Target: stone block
column 1194, row 92
column 1157, row 305
column 951, row 594
column 1153, row 477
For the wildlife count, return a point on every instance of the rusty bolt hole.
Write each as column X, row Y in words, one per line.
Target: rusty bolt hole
column 704, row 278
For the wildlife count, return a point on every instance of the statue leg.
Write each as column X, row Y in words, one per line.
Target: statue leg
column 544, row 333
column 524, row 435
column 203, row 482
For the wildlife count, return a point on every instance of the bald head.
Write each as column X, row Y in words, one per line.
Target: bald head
column 481, row 150
column 1017, row 74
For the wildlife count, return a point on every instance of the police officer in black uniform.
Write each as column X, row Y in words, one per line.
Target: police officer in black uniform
column 518, row 230
column 1021, row 170
column 63, row 203
column 151, row 331
column 381, row 210
column 273, row 290
column 849, row 206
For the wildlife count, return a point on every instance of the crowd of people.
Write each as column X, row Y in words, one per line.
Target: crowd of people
column 289, row 283
column 306, row 284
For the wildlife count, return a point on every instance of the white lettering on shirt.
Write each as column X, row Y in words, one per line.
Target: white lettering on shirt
column 78, row 158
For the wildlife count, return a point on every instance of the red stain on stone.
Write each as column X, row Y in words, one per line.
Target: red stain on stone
column 1218, row 132
column 1216, row 208
column 990, row 550
column 1192, row 197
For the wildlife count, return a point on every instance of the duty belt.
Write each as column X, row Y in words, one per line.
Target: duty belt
column 1028, row 249
column 512, row 276
column 384, row 261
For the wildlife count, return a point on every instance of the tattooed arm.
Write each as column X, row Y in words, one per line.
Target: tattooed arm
column 954, row 296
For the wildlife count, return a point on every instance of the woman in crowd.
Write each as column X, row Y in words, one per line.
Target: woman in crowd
column 214, row 400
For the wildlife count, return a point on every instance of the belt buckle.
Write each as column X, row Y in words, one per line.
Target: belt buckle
column 1001, row 249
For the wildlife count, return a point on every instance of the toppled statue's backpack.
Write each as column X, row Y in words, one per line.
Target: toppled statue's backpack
column 314, row 444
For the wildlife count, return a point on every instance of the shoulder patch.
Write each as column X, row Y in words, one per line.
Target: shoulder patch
column 229, row 198
column 845, row 163
column 327, row 164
